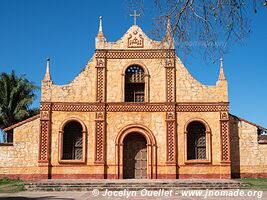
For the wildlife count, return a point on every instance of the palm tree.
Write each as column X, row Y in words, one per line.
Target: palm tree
column 16, row 96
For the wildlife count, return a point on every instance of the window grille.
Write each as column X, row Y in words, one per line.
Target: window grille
column 134, row 84
column 72, row 141
column 196, row 141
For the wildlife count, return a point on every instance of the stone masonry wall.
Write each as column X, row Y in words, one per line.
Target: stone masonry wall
column 81, row 89
column 58, row 118
column 23, row 155
column 188, row 89
column 248, row 156
column 156, row 80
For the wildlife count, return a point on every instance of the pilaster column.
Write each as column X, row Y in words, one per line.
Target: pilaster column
column 100, row 138
column 100, row 118
column 225, row 137
column 170, row 80
column 171, row 143
column 101, row 79
column 44, row 139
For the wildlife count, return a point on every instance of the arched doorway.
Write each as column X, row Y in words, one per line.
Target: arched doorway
column 135, row 156
column 145, row 135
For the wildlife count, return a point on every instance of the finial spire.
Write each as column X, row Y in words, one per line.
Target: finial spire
column 100, row 24
column 169, row 36
column 47, row 76
column 100, row 31
column 169, row 24
column 221, row 75
column 135, row 15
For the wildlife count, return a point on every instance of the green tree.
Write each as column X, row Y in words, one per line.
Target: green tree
column 16, row 97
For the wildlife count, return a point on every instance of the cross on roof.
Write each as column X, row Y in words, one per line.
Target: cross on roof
column 135, row 15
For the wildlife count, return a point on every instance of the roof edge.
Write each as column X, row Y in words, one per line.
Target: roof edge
column 251, row 123
column 21, row 123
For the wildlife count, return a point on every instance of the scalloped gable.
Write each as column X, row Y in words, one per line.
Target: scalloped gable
column 135, row 39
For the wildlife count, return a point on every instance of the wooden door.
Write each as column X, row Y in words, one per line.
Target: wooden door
column 135, row 157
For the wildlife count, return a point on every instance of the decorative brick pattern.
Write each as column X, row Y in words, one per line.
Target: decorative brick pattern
column 135, row 40
column 100, row 63
column 99, row 137
column 139, row 108
column 224, row 115
column 100, row 116
column 140, row 54
column 45, row 121
column 44, row 141
column 45, row 115
column 99, row 142
column 74, row 107
column 202, row 108
column 45, row 106
column 100, row 84
column 170, row 84
column 148, row 107
column 225, row 141
column 171, row 133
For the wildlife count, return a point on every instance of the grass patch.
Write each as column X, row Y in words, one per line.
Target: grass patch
column 11, row 185
column 255, row 183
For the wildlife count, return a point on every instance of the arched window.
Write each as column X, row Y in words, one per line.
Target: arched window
column 196, row 141
column 134, row 84
column 72, row 141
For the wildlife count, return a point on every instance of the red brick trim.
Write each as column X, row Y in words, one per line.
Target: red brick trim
column 57, row 176
column 171, row 144
column 77, row 176
column 101, row 79
column 170, row 80
column 25, row 176
column 22, row 122
column 44, row 135
column 202, row 107
column 252, row 175
column 167, row 176
column 138, row 107
column 204, row 176
column 114, row 176
column 136, row 54
column 100, row 137
column 225, row 139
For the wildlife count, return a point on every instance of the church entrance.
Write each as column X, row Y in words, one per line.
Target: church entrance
column 135, row 156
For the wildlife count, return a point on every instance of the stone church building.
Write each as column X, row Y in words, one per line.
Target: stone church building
column 134, row 111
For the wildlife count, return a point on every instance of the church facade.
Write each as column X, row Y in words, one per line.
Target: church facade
column 134, row 111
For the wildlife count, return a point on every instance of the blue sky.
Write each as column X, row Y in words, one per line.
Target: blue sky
column 65, row 30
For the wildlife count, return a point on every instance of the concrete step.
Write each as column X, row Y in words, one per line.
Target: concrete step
column 132, row 185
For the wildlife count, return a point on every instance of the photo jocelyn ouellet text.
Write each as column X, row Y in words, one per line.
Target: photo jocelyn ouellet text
column 185, row 193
